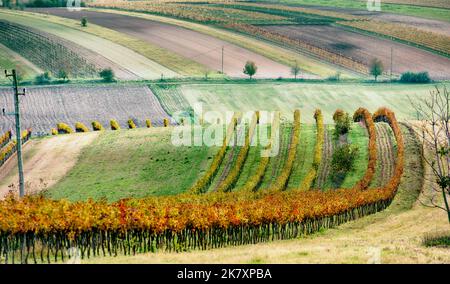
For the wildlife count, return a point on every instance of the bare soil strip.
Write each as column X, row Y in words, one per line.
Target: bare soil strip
column 385, row 150
column 435, row 26
column 44, row 107
column 46, row 161
column 364, row 48
column 325, row 166
column 196, row 46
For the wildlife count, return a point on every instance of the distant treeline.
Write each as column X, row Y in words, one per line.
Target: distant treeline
column 37, row 3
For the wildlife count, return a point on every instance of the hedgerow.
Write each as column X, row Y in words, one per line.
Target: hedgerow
column 5, row 138
column 320, row 139
column 283, row 178
column 182, row 222
column 233, row 175
column 255, row 180
column 364, row 114
column 201, row 184
column 9, row 149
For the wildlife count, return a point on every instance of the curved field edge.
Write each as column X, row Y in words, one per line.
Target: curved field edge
column 11, row 60
column 164, row 61
column 264, row 48
column 395, row 232
column 133, row 163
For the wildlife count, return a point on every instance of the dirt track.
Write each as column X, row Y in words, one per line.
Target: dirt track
column 199, row 47
column 43, row 107
column 45, row 162
column 365, row 48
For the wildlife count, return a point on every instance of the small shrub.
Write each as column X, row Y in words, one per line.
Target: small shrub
column 343, row 161
column 410, row 77
column 80, row 127
column 441, row 239
column 84, row 22
column 343, row 123
column 166, row 122
column 63, row 75
column 97, row 126
column 148, row 122
column 114, row 125
column 131, row 124
column 64, row 128
column 43, row 78
column 54, row 131
column 107, row 75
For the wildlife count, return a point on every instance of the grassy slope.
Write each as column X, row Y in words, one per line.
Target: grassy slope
column 113, row 45
column 266, row 49
column 395, row 232
column 133, row 163
column 357, row 136
column 307, row 97
column 11, row 60
column 305, row 155
column 425, row 12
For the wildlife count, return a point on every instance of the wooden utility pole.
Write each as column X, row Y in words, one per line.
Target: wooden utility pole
column 222, row 58
column 392, row 56
column 16, row 113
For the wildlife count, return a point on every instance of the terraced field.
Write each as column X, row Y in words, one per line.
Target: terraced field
column 127, row 63
column 199, row 47
column 44, row 107
column 365, row 48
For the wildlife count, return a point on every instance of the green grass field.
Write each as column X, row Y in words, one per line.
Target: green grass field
column 305, row 155
column 307, row 97
column 11, row 60
column 133, row 163
column 264, row 48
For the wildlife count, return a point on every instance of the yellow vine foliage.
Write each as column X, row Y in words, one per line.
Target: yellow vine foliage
column 233, row 175
column 283, row 178
column 131, row 124
column 5, row 138
column 114, row 124
column 202, row 183
column 97, row 126
column 255, row 180
column 148, row 122
column 80, row 127
column 64, row 128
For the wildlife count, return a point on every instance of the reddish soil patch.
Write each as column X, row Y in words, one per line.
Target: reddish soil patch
column 43, row 107
column 364, row 48
column 199, row 47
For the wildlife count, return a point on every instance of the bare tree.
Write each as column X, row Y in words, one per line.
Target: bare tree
column 433, row 113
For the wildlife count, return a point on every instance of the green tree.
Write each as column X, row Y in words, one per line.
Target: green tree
column 376, row 68
column 250, row 69
column 43, row 78
column 295, row 70
column 107, row 75
column 84, row 22
column 343, row 123
column 343, row 161
column 62, row 74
